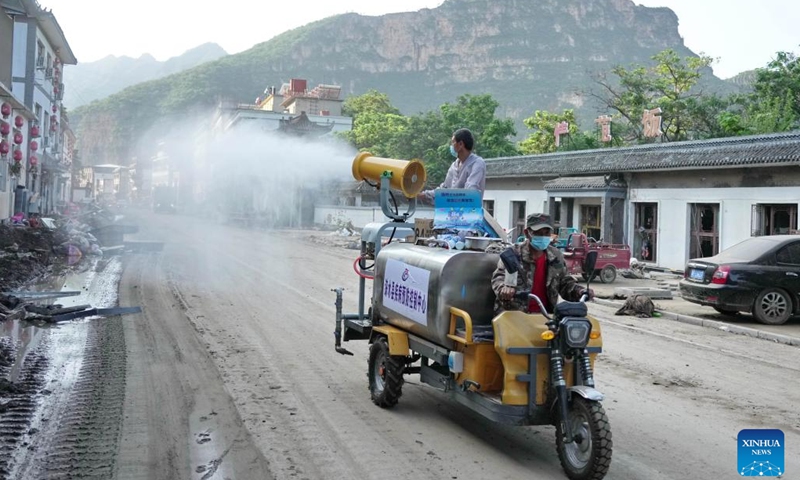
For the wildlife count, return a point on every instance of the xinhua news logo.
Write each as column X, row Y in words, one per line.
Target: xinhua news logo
column 761, row 453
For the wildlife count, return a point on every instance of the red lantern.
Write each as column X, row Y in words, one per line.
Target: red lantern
column 5, row 147
column 35, row 131
column 53, row 127
column 34, row 145
column 55, row 109
column 5, row 128
column 19, row 121
column 5, row 109
column 34, row 160
column 18, row 138
column 18, row 155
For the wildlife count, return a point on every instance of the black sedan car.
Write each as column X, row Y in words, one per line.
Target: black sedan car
column 759, row 275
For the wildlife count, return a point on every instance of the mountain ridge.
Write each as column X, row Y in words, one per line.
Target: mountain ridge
column 96, row 80
column 528, row 55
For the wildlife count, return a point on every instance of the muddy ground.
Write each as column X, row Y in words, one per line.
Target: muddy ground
column 230, row 372
column 26, row 254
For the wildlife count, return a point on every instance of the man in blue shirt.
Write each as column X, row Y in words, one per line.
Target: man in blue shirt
column 467, row 171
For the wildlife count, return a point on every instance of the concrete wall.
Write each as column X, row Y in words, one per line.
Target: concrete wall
column 6, row 44
column 736, row 206
column 358, row 216
column 505, row 191
column 19, row 61
column 718, row 178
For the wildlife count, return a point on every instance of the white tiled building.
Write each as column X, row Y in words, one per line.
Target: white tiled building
column 33, row 53
column 688, row 199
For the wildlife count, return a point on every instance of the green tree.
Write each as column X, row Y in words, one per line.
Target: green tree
column 543, row 140
column 375, row 122
column 669, row 84
column 381, row 129
column 373, row 101
column 493, row 136
column 543, row 124
column 780, row 80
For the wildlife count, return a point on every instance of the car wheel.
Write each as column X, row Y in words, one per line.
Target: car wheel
column 773, row 307
column 726, row 311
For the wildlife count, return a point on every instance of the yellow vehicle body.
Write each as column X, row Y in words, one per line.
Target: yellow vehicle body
column 489, row 364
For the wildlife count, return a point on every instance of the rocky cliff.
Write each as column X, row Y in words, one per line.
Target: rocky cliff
column 529, row 54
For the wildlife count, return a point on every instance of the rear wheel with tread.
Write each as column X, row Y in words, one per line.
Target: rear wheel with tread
column 773, row 307
column 589, row 455
column 608, row 274
column 385, row 374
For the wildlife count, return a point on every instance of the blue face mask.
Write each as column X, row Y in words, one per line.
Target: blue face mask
column 540, row 243
column 453, row 151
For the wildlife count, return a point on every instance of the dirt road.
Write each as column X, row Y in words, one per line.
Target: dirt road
column 230, row 373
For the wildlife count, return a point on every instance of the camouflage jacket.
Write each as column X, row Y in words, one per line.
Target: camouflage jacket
column 558, row 281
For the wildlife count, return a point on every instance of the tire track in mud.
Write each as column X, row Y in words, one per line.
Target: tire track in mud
column 283, row 404
column 85, row 443
column 18, row 402
column 72, row 392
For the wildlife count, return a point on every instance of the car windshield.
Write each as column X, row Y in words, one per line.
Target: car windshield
column 746, row 251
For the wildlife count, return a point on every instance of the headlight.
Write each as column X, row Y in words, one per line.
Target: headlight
column 575, row 332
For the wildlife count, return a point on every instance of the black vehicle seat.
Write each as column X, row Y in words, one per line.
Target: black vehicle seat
column 571, row 309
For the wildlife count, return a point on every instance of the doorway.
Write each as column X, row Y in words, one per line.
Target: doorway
column 704, row 229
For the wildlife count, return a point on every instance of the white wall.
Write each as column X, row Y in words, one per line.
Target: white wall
column 18, row 62
column 358, row 216
column 735, row 215
column 536, row 201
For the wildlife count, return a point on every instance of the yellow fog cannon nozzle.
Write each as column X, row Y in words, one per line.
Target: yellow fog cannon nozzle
column 548, row 335
column 408, row 176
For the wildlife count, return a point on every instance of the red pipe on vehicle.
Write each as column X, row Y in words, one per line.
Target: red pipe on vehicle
column 358, row 270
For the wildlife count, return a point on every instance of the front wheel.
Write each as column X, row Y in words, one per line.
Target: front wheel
column 588, row 456
column 385, row 374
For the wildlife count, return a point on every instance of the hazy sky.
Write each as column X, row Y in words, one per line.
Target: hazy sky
column 743, row 34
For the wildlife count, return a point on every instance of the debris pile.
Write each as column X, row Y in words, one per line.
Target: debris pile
column 22, row 306
column 33, row 248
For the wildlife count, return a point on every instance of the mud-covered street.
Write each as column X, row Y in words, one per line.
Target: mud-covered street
column 230, row 372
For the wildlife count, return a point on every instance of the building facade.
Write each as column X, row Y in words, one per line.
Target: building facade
column 670, row 202
column 33, row 53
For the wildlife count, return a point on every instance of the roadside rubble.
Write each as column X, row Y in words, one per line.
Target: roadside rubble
column 33, row 248
column 24, row 307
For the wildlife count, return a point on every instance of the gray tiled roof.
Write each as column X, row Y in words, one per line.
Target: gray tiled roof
column 751, row 151
column 584, row 183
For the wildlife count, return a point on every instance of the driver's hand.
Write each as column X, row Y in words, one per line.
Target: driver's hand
column 589, row 293
column 507, row 293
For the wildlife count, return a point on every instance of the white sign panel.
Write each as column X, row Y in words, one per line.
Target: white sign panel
column 405, row 290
